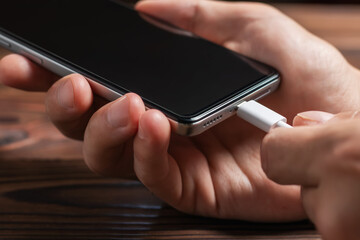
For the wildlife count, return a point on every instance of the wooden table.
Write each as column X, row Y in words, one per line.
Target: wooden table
column 46, row 191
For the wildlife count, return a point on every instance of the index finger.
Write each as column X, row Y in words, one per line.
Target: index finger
column 19, row 72
column 289, row 156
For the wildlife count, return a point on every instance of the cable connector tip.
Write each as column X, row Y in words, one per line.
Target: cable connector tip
column 261, row 116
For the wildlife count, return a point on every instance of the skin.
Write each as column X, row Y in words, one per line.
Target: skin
column 323, row 157
column 211, row 173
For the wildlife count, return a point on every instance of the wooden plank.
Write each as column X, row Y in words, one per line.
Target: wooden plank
column 62, row 199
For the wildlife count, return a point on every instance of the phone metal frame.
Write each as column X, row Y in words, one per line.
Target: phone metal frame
column 196, row 125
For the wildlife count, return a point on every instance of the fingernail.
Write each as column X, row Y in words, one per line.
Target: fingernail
column 314, row 117
column 118, row 113
column 264, row 159
column 145, row 130
column 264, row 164
column 142, row 133
column 65, row 95
column 356, row 114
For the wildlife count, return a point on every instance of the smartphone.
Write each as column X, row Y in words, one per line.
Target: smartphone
column 195, row 83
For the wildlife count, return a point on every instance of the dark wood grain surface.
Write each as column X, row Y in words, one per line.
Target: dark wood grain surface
column 46, row 191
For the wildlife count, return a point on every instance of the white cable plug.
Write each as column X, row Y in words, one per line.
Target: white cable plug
column 261, row 116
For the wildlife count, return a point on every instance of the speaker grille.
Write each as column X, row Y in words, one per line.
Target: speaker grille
column 212, row 121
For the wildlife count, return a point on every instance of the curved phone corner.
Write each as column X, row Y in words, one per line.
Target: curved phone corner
column 218, row 114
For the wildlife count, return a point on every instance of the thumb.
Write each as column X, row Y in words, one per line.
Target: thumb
column 208, row 19
column 312, row 118
column 247, row 28
column 345, row 116
column 292, row 156
column 217, row 21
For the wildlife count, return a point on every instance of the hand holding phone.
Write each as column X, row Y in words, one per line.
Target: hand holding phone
column 195, row 83
column 217, row 173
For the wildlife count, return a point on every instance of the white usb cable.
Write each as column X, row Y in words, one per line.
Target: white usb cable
column 261, row 116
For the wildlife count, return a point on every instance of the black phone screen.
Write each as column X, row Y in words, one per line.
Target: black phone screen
column 181, row 75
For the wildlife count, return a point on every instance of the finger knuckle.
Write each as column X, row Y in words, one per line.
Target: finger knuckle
column 266, row 8
column 189, row 18
column 270, row 140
